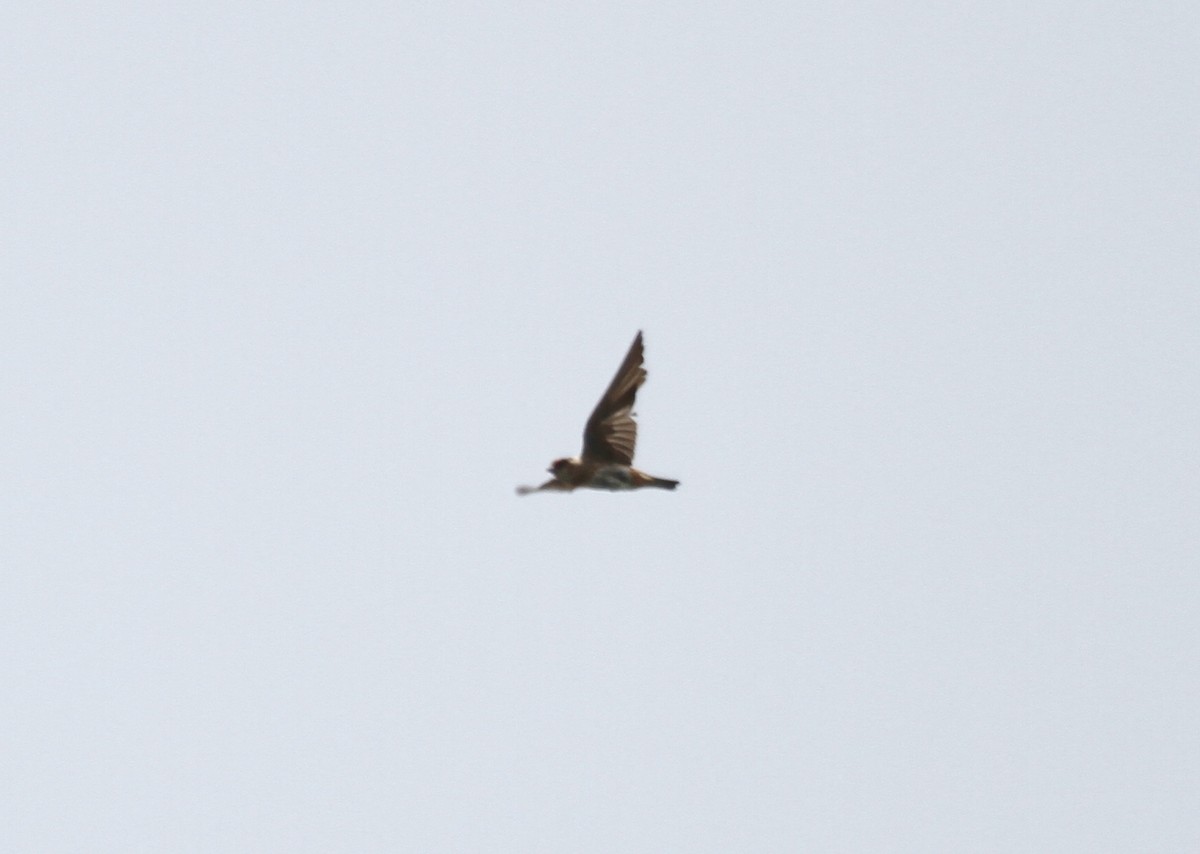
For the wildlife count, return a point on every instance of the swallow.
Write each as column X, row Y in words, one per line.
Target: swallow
column 608, row 440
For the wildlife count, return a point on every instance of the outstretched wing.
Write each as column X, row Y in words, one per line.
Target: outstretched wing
column 611, row 432
column 552, row 485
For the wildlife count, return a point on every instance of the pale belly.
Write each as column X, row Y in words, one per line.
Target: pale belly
column 612, row 477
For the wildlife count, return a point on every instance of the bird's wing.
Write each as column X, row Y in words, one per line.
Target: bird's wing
column 611, row 433
column 552, row 485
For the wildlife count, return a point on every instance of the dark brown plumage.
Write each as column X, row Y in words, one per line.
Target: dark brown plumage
column 611, row 433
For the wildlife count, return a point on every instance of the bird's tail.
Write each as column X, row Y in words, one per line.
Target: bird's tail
column 663, row 483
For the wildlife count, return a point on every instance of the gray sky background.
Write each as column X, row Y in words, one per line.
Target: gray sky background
column 294, row 295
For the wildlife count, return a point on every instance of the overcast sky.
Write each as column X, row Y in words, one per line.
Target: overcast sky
column 294, row 295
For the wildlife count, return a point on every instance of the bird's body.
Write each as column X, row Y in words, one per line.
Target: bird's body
column 609, row 438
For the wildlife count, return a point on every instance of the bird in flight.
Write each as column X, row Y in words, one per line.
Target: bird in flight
column 608, row 440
